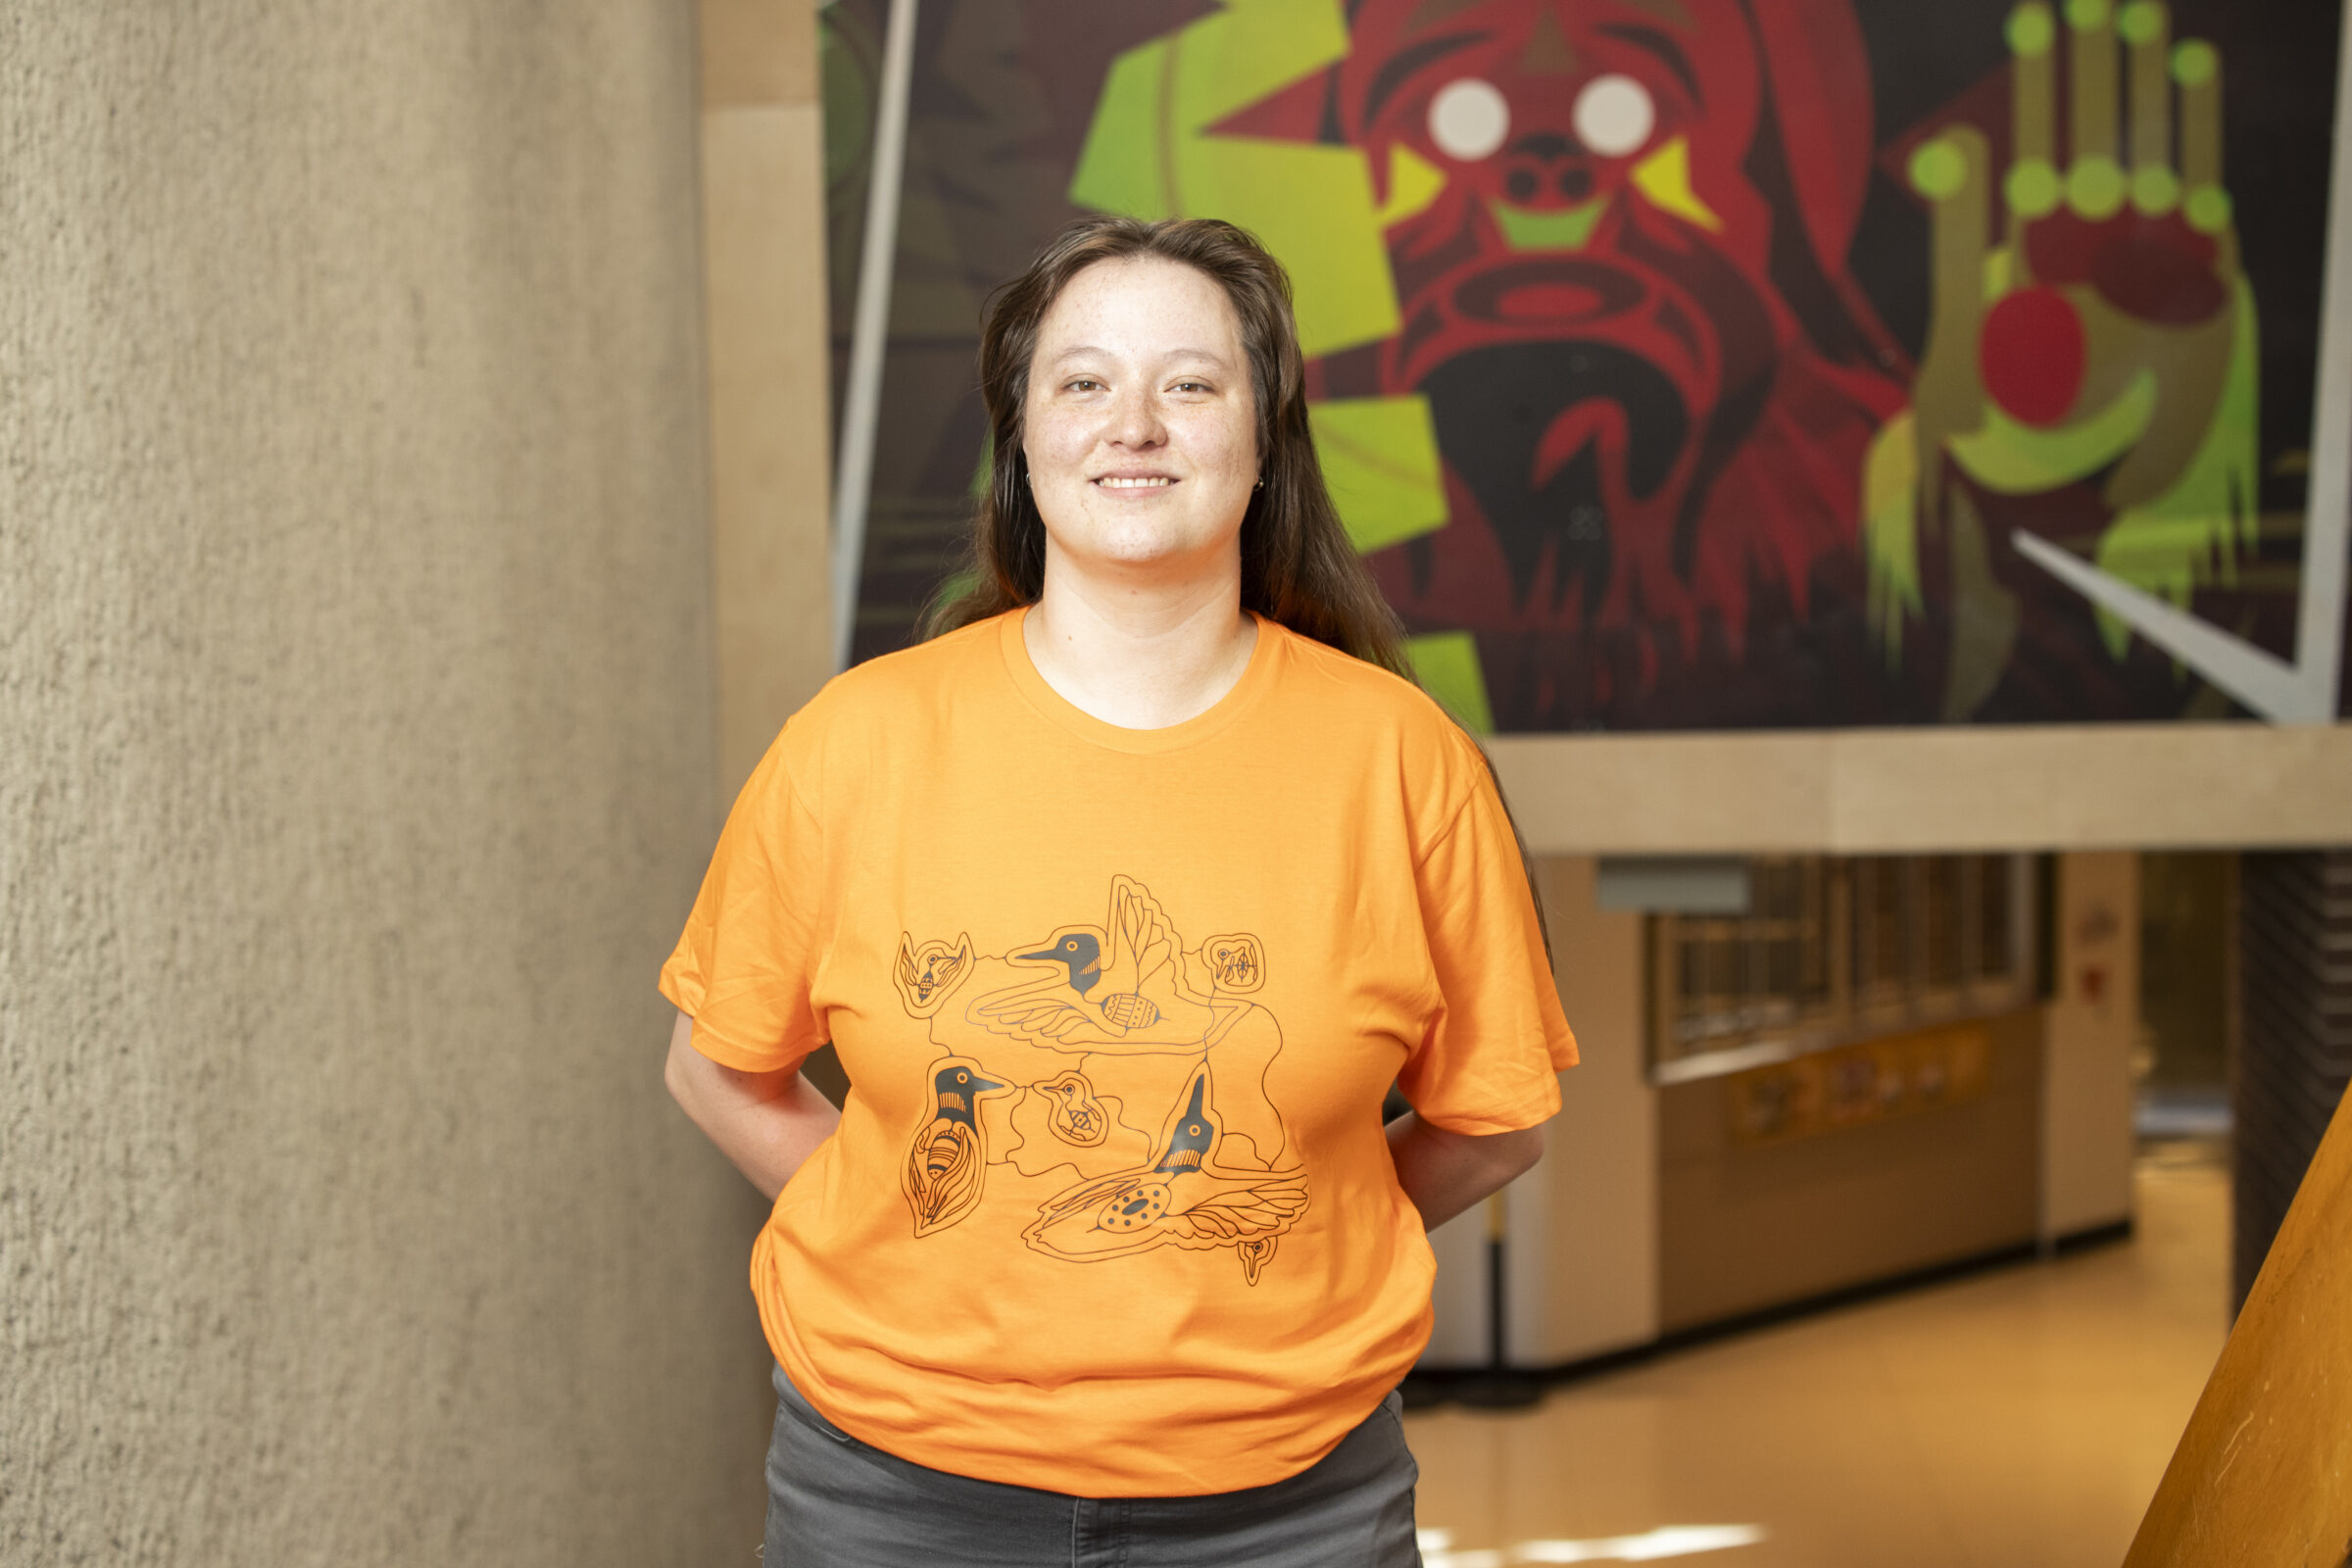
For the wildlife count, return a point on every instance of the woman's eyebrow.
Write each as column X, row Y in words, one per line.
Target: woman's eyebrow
column 1082, row 350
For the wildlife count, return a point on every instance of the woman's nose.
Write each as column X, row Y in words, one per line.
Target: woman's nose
column 1135, row 420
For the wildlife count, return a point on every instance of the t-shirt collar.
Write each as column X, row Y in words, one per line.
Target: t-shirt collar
column 1060, row 711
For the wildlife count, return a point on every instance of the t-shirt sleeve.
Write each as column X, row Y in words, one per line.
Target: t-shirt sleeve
column 1489, row 1059
column 742, row 967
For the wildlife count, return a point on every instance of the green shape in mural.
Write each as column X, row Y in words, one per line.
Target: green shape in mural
column 1525, row 228
column 2018, row 459
column 1447, row 665
column 1890, row 532
column 2191, row 534
column 1148, row 153
column 1380, row 458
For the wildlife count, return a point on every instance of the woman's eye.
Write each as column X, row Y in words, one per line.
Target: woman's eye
column 1192, row 386
column 1085, row 383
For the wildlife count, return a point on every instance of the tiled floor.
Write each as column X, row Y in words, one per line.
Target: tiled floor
column 2016, row 1419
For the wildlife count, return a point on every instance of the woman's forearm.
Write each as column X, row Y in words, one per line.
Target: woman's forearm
column 766, row 1123
column 1446, row 1172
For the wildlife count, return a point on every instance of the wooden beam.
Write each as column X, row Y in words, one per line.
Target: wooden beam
column 2264, row 1472
column 1915, row 791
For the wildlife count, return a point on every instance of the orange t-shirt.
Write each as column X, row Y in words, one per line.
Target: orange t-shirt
column 1109, row 1210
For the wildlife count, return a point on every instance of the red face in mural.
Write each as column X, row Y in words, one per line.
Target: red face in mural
column 1617, row 231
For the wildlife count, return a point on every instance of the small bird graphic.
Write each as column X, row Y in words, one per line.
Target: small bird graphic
column 1080, row 953
column 1074, row 1113
column 948, row 1160
column 1184, row 1198
column 929, row 974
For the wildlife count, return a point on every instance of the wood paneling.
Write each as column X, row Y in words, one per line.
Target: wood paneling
column 1746, row 1229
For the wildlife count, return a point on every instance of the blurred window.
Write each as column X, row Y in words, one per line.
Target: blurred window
column 1835, row 949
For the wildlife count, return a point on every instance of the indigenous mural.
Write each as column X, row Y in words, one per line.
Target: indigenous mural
column 1691, row 363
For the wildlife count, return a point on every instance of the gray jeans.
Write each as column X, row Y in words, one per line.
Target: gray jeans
column 836, row 1502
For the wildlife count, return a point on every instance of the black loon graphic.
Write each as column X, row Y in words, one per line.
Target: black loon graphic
column 948, row 1162
column 1185, row 1199
column 1081, row 955
column 1189, row 1144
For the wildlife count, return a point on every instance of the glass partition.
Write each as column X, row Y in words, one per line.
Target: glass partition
column 1833, row 950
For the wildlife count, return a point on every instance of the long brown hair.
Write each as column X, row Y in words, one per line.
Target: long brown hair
column 1298, row 567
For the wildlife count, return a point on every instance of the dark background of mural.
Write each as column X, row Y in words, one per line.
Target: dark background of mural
column 1004, row 93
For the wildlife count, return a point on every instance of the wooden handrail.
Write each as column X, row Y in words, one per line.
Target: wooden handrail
column 2264, row 1472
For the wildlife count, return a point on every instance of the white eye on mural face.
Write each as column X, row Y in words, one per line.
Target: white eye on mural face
column 1468, row 118
column 1614, row 115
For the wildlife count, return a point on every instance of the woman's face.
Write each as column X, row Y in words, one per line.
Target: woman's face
column 1141, row 429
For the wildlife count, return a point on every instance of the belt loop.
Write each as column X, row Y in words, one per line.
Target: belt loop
column 1099, row 1532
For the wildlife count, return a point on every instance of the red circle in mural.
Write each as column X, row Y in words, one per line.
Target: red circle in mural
column 2032, row 354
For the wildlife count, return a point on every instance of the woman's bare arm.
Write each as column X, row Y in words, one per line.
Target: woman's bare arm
column 766, row 1123
column 1445, row 1172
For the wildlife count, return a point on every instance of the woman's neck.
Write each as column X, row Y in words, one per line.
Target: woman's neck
column 1140, row 655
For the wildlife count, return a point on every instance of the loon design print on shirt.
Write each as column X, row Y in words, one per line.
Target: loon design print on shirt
column 1117, row 1059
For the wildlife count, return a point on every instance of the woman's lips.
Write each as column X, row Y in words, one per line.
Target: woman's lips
column 1154, row 481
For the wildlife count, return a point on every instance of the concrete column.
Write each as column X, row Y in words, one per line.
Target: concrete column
column 356, row 740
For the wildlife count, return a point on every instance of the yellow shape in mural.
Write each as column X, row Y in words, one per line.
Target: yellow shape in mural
column 1380, row 458
column 1413, row 183
column 1664, row 176
column 1150, row 154
column 1447, row 665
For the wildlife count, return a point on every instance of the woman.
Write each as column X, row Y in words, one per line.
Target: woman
column 1124, row 899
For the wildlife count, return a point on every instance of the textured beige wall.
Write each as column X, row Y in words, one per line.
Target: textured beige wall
column 356, row 741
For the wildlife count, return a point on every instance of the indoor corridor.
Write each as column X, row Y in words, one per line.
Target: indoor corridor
column 2018, row 1418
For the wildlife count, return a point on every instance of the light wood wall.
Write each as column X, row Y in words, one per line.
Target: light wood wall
column 766, row 331
column 1745, row 1229
column 1909, row 791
